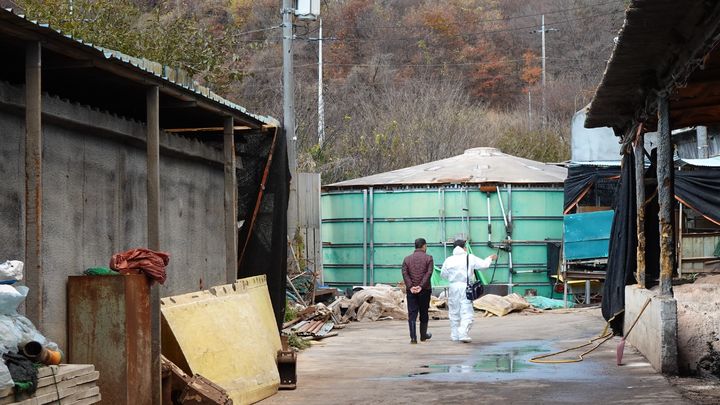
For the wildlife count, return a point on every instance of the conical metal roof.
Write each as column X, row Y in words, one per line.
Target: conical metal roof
column 475, row 166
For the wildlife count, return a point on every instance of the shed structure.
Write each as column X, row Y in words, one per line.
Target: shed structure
column 103, row 152
column 500, row 203
column 663, row 75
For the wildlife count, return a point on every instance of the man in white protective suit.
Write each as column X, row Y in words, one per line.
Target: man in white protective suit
column 456, row 269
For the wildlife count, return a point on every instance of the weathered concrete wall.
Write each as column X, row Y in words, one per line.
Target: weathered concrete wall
column 655, row 334
column 94, row 189
column 698, row 315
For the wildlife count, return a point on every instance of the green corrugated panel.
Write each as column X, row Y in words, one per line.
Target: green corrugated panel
column 402, row 216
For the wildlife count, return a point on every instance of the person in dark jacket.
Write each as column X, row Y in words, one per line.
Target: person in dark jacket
column 417, row 270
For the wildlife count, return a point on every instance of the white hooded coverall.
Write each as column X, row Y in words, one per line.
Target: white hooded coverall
column 455, row 270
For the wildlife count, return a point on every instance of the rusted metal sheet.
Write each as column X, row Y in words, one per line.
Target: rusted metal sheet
column 109, row 326
column 153, row 225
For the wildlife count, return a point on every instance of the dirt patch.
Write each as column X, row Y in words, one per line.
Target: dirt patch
column 704, row 391
column 698, row 313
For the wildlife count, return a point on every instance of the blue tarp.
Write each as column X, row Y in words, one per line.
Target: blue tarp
column 587, row 235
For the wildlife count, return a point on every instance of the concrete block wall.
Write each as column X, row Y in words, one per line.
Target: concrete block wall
column 94, row 199
column 655, row 334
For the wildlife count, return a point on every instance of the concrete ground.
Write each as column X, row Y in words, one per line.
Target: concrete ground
column 374, row 363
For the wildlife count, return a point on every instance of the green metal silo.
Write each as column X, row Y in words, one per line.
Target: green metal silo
column 369, row 224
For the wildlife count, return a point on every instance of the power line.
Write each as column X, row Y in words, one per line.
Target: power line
column 476, row 33
column 398, row 65
column 469, row 34
column 258, row 30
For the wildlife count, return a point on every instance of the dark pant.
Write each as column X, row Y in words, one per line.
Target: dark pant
column 419, row 302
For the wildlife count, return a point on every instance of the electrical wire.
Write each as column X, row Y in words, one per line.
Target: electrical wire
column 473, row 34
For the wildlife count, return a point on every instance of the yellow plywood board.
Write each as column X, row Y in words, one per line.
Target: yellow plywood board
column 228, row 335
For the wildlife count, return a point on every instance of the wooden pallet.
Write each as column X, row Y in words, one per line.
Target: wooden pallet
column 71, row 384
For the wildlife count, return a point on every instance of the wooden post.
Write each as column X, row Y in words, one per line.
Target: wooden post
column 640, row 201
column 665, row 196
column 153, row 229
column 231, row 230
column 33, row 183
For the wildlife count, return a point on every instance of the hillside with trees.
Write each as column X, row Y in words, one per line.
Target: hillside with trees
column 405, row 82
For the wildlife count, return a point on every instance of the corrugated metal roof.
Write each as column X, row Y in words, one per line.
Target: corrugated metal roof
column 169, row 74
column 475, row 166
column 660, row 44
column 709, row 162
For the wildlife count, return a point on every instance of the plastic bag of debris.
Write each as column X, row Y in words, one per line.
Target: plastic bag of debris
column 500, row 306
column 11, row 271
column 15, row 329
column 6, row 381
column 375, row 303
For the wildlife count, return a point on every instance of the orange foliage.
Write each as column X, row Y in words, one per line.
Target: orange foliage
column 531, row 70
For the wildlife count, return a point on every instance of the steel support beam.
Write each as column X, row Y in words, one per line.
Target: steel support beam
column 153, row 228
column 640, row 201
column 33, row 182
column 665, row 196
column 231, row 229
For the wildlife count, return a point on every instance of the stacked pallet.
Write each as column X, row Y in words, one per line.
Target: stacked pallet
column 69, row 384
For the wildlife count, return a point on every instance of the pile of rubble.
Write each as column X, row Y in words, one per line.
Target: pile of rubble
column 315, row 322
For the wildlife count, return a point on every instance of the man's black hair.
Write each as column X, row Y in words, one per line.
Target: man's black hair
column 459, row 243
column 420, row 242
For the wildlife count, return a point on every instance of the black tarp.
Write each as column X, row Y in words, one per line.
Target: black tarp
column 699, row 189
column 267, row 246
column 581, row 178
column 622, row 256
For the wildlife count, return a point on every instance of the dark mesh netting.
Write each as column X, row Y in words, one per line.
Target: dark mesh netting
column 265, row 249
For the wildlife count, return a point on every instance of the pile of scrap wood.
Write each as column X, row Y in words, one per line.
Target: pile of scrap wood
column 315, row 322
column 187, row 389
column 67, row 384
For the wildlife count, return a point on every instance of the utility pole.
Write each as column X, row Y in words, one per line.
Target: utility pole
column 542, row 32
column 529, row 109
column 289, row 112
column 321, row 103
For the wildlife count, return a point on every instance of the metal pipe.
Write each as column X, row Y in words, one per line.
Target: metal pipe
column 230, row 205
column 444, row 226
column 153, row 228
column 502, row 207
column 365, row 237
column 489, row 223
column 510, row 206
column 372, row 237
column 33, row 183
column 640, row 202
column 680, row 241
column 466, row 212
column 665, row 196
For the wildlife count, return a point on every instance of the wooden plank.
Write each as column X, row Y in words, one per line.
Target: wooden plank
column 64, row 375
column 87, row 401
column 67, row 394
column 45, row 382
column 64, row 369
column 75, row 382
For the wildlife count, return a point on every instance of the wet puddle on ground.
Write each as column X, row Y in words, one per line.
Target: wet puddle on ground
column 502, row 361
